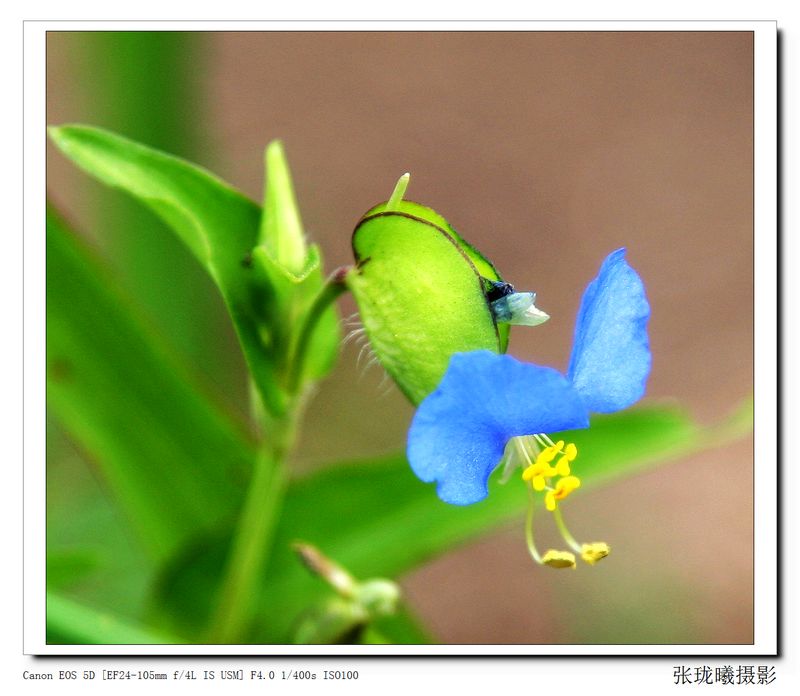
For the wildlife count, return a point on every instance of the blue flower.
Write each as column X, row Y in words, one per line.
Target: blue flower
column 486, row 402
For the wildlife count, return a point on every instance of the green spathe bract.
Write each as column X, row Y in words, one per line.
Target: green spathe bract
column 421, row 294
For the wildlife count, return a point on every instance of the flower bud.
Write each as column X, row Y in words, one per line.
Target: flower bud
column 423, row 293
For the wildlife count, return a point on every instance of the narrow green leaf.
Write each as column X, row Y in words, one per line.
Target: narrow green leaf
column 72, row 623
column 172, row 459
column 217, row 223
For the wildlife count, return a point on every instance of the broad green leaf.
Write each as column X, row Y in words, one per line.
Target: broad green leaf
column 73, row 623
column 217, row 223
column 173, row 460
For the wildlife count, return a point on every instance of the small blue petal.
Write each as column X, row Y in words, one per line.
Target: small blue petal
column 610, row 358
column 459, row 432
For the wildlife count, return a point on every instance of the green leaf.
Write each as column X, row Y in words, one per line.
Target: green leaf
column 73, row 623
column 217, row 223
column 173, row 460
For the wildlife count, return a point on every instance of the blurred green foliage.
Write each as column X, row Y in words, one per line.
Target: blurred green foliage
column 175, row 470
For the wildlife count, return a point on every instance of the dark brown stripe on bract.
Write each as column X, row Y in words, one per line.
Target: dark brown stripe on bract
column 389, row 213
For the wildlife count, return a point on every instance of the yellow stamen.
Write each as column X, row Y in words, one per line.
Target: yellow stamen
column 543, row 461
column 591, row 553
column 563, row 488
column 547, row 455
column 554, row 460
column 540, row 469
column 562, row 467
column 535, row 475
column 559, row 559
column 529, row 472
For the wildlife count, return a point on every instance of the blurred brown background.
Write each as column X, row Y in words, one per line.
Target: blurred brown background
column 546, row 151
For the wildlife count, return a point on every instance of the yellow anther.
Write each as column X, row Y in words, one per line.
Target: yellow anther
column 547, row 455
column 535, row 473
column 529, row 472
column 563, row 488
column 562, row 467
column 591, row 553
column 559, row 445
column 540, row 469
column 571, row 451
column 543, row 463
column 559, row 559
column 566, row 485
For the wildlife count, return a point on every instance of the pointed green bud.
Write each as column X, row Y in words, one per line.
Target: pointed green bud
column 281, row 231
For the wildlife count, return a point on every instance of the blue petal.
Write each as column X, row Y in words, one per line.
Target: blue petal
column 459, row 432
column 610, row 354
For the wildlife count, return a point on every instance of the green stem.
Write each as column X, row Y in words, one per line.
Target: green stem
column 255, row 531
column 334, row 286
column 253, row 537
